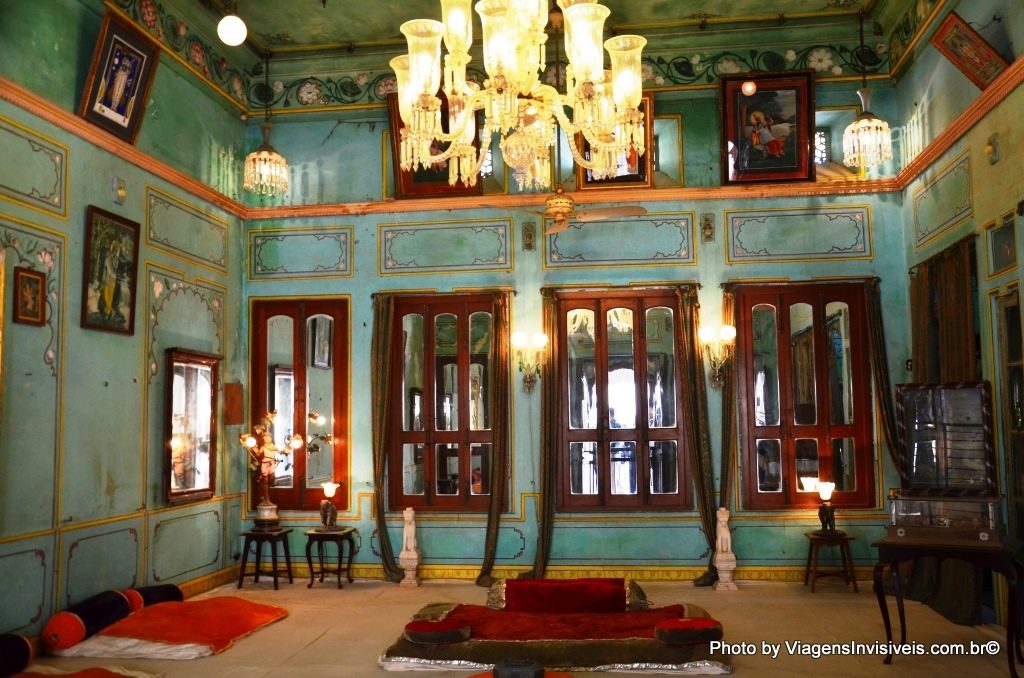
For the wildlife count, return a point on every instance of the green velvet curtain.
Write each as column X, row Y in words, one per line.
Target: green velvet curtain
column 695, row 416
column 499, row 417
column 380, row 389
column 548, row 426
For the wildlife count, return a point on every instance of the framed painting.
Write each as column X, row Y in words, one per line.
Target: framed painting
column 767, row 136
column 633, row 170
column 29, row 296
column 1002, row 245
column 320, row 342
column 968, row 51
column 109, row 272
column 119, row 79
column 430, row 182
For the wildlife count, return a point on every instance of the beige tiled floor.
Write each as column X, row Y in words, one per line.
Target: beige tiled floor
column 342, row 633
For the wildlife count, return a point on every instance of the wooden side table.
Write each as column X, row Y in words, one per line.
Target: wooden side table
column 259, row 538
column 339, row 537
column 819, row 539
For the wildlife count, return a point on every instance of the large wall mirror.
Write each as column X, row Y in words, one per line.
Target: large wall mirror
column 300, row 374
column 190, row 425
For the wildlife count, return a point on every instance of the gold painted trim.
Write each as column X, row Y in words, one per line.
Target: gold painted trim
column 63, row 215
column 208, row 582
column 908, row 49
column 509, row 266
column 870, row 239
column 181, row 254
column 250, row 234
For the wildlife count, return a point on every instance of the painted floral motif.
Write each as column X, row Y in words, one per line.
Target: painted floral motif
column 148, row 13
column 820, row 59
column 790, row 55
column 309, row 92
column 198, row 57
column 45, row 257
column 728, row 66
column 386, row 86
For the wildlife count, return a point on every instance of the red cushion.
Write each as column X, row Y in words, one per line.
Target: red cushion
column 63, row 630
column 135, row 601
column 434, row 631
column 594, row 594
column 688, row 630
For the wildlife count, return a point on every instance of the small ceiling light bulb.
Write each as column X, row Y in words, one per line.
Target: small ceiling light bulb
column 231, row 30
column 749, row 87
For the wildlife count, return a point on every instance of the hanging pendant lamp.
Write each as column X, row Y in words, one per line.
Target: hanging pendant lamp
column 867, row 141
column 266, row 170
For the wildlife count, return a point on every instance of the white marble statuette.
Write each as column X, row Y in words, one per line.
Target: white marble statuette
column 725, row 559
column 409, row 558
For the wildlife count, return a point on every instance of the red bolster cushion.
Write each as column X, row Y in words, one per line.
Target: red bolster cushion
column 688, row 630
column 592, row 594
column 84, row 619
column 434, row 631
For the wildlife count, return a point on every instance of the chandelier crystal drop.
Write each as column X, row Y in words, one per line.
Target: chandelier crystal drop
column 265, row 171
column 523, row 111
column 867, row 141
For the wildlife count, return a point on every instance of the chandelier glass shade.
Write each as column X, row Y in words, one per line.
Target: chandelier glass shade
column 515, row 104
column 867, row 141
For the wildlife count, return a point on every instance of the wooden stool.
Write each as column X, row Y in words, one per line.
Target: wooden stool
column 339, row 537
column 819, row 539
column 260, row 537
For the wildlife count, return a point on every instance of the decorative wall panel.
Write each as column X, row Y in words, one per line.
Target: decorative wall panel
column 24, row 588
column 34, row 170
column 178, row 228
column 175, row 303
column 300, row 253
column 799, row 234
column 655, row 240
column 105, row 559
column 445, row 247
column 183, row 546
column 943, row 201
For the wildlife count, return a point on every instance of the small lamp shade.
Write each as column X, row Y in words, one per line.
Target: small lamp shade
column 825, row 490
column 231, row 30
column 330, row 489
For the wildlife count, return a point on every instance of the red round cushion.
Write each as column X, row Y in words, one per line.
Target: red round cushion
column 688, row 630
column 434, row 631
column 135, row 602
column 63, row 630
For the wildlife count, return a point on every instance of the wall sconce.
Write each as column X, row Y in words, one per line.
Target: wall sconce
column 717, row 345
column 328, row 512
column 528, row 353
column 315, row 440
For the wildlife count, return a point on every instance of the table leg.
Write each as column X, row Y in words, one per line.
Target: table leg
column 883, row 608
column 340, row 543
column 309, row 562
column 1013, row 576
column 897, row 590
column 815, row 550
column 807, row 569
column 259, row 559
column 848, row 566
column 351, row 552
column 320, row 558
column 273, row 561
column 288, row 559
column 245, row 561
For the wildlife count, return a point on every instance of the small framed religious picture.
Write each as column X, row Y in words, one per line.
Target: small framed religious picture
column 767, row 134
column 121, row 73
column 109, row 272
column 968, row 51
column 29, row 296
column 1002, row 245
column 633, row 169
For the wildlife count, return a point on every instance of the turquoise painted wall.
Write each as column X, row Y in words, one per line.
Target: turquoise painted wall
column 81, row 506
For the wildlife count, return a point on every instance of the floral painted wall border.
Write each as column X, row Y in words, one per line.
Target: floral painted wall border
column 163, row 286
column 25, row 245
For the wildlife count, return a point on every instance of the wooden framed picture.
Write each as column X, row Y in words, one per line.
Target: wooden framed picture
column 29, row 296
column 634, row 170
column 431, row 182
column 320, row 342
column 1002, row 245
column 767, row 136
column 109, row 272
column 968, row 51
column 120, row 76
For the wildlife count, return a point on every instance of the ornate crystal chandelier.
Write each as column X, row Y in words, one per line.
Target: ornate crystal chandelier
column 516, row 105
column 867, row 141
column 265, row 171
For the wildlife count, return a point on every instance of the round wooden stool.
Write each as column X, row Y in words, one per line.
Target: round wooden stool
column 817, row 540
